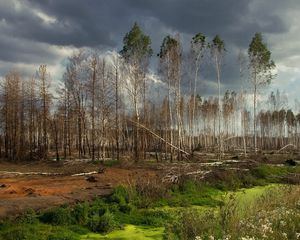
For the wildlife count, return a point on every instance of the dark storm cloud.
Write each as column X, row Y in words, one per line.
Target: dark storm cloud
column 92, row 22
column 20, row 50
column 103, row 23
column 231, row 19
column 74, row 24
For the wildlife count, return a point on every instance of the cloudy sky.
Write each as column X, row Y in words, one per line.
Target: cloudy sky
column 48, row 31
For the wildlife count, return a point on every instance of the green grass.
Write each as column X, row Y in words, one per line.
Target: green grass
column 130, row 232
column 106, row 163
column 37, row 231
column 269, row 212
column 142, row 211
column 266, row 174
column 189, row 193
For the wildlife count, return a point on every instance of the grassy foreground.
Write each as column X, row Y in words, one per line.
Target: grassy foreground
column 234, row 208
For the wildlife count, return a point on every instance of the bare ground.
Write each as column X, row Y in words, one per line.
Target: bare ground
column 19, row 192
column 41, row 185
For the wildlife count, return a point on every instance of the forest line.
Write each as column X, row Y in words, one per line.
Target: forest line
column 103, row 109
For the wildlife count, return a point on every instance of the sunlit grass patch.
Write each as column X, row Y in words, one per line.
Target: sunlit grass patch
column 130, row 232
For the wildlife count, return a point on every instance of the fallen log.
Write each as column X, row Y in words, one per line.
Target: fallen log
column 44, row 173
column 84, row 174
column 30, row 173
column 286, row 147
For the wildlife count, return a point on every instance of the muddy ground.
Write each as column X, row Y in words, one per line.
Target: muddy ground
column 41, row 185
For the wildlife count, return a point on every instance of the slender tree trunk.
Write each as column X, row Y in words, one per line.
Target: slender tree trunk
column 254, row 113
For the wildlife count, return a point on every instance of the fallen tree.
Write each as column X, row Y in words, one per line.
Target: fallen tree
column 159, row 137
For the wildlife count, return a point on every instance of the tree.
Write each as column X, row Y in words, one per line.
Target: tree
column 136, row 53
column 75, row 79
column 93, row 77
column 198, row 46
column 170, row 66
column 45, row 99
column 261, row 66
column 32, row 115
column 11, row 99
column 116, row 65
column 217, row 51
column 291, row 122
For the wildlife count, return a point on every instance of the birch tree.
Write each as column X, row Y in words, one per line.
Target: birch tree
column 136, row 53
column 198, row 47
column 170, row 66
column 261, row 69
column 217, row 51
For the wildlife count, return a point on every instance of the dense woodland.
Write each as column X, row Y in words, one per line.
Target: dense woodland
column 103, row 108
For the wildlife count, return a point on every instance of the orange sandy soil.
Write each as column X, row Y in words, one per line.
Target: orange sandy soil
column 18, row 193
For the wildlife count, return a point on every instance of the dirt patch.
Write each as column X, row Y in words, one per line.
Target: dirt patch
column 18, row 193
column 41, row 185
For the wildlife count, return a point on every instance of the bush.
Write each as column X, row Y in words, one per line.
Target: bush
column 29, row 216
column 125, row 208
column 147, row 193
column 102, row 224
column 80, row 213
column 58, row 216
column 120, row 195
column 191, row 224
column 97, row 208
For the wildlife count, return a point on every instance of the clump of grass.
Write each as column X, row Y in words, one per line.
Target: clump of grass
column 274, row 215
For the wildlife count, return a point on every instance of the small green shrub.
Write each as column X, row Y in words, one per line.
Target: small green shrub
column 102, row 224
column 57, row 216
column 29, row 216
column 125, row 208
column 120, row 195
column 80, row 213
column 97, row 208
column 189, row 224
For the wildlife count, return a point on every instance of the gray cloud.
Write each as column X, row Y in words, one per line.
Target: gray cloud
column 34, row 31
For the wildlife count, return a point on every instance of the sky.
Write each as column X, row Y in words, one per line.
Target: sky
column 34, row 32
